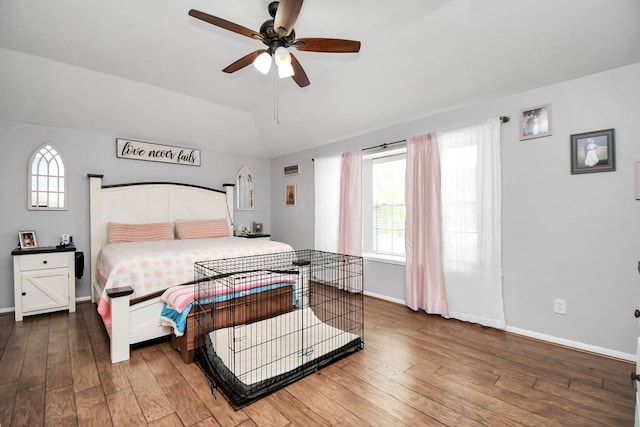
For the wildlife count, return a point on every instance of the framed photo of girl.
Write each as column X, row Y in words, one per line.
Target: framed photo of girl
column 27, row 239
column 593, row 152
column 535, row 122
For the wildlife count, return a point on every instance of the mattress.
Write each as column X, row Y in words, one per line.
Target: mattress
column 149, row 267
column 251, row 360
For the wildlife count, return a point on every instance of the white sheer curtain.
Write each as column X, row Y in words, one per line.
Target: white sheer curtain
column 471, row 208
column 424, row 286
column 338, row 216
column 327, row 203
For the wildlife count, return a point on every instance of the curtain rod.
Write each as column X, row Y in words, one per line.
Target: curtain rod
column 503, row 119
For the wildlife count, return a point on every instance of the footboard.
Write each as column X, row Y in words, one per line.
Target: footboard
column 238, row 311
column 132, row 323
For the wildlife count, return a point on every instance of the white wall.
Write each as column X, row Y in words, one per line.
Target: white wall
column 575, row 237
column 90, row 152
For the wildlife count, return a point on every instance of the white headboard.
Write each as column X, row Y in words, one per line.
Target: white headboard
column 148, row 202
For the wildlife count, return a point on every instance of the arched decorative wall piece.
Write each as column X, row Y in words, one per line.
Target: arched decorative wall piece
column 244, row 190
column 47, row 180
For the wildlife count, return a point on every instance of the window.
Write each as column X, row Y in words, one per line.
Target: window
column 244, row 189
column 462, row 180
column 47, row 180
column 385, row 225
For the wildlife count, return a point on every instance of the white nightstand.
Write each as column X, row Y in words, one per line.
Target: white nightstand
column 44, row 280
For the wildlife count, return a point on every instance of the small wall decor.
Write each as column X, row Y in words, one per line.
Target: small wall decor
column 244, row 190
column 291, row 170
column 290, row 195
column 27, row 239
column 137, row 150
column 47, row 180
column 535, row 122
column 593, row 152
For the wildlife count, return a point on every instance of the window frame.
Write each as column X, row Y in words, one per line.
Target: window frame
column 369, row 232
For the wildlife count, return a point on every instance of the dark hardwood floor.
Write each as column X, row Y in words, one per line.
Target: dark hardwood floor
column 414, row 370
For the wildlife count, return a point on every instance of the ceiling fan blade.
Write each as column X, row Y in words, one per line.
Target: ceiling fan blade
column 243, row 62
column 326, row 45
column 286, row 16
column 227, row 25
column 299, row 76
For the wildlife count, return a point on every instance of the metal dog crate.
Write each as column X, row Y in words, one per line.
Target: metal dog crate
column 266, row 321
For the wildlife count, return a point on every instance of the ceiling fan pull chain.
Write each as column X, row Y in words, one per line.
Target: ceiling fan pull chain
column 276, row 100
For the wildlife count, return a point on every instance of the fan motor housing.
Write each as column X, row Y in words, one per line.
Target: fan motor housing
column 271, row 37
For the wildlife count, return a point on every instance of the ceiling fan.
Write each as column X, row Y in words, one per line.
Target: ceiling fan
column 278, row 34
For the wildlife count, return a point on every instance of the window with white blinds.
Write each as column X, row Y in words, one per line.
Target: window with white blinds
column 388, row 178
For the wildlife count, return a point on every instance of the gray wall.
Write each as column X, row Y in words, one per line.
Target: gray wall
column 575, row 237
column 87, row 152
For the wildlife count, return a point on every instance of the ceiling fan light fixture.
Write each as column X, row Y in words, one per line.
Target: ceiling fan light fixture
column 263, row 62
column 285, row 70
column 278, row 34
column 282, row 56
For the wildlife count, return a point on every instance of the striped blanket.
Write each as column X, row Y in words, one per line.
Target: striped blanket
column 178, row 300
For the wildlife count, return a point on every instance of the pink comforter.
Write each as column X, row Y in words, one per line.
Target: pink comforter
column 153, row 266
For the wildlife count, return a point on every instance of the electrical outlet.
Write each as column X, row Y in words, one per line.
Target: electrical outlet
column 559, row 306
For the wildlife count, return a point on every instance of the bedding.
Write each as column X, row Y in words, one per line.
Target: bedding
column 150, row 267
column 178, row 300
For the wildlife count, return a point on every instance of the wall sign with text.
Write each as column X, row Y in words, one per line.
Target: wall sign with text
column 137, row 150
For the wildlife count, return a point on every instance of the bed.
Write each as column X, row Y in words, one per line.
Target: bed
column 130, row 278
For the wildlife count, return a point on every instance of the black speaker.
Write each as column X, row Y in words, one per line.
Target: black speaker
column 79, row 265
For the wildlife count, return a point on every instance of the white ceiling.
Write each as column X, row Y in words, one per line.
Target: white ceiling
column 144, row 69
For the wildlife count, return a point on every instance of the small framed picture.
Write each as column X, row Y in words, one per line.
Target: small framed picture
column 27, row 239
column 290, row 195
column 593, row 152
column 535, row 122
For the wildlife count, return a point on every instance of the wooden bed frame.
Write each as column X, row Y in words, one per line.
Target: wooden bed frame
column 136, row 321
column 237, row 311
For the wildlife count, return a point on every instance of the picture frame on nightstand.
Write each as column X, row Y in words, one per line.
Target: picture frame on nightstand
column 27, row 239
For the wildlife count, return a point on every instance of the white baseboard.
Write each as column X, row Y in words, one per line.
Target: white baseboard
column 542, row 337
column 384, row 297
column 573, row 344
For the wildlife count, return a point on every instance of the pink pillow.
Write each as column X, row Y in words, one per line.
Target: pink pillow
column 119, row 233
column 203, row 229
